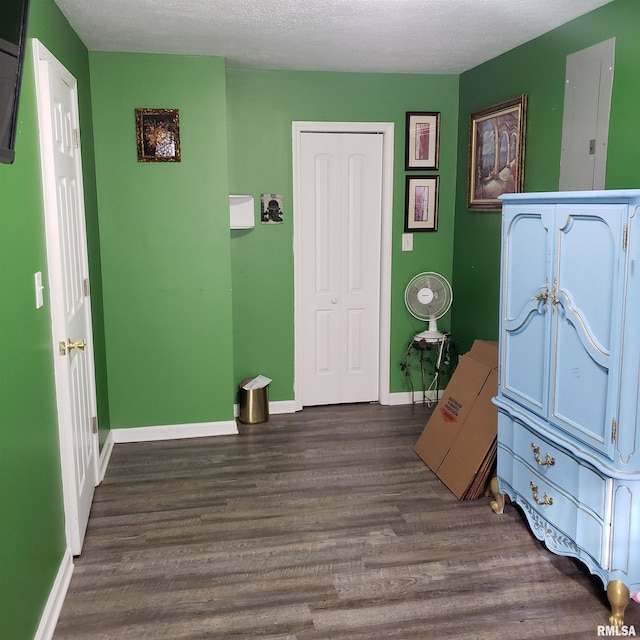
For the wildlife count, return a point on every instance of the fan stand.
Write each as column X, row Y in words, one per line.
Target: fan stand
column 431, row 334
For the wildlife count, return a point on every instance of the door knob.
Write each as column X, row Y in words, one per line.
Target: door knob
column 76, row 344
column 65, row 347
column 334, row 300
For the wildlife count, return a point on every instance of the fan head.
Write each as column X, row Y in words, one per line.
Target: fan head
column 428, row 296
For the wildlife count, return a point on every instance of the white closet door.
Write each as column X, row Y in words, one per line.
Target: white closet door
column 341, row 234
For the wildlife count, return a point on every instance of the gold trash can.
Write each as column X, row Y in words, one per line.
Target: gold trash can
column 254, row 404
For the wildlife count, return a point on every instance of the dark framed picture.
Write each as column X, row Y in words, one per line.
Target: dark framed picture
column 496, row 153
column 158, row 135
column 421, row 203
column 422, row 140
column 271, row 208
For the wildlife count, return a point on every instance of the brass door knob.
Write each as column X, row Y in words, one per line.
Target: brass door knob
column 65, row 347
column 76, row 344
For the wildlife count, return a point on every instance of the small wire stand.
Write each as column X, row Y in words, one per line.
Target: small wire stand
column 423, row 348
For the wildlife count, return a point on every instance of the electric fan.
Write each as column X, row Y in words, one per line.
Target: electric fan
column 428, row 297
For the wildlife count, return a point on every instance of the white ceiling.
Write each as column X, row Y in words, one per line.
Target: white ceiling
column 389, row 36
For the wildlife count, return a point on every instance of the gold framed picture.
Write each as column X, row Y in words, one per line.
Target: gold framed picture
column 158, row 135
column 496, row 153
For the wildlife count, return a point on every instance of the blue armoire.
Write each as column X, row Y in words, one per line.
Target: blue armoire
column 569, row 377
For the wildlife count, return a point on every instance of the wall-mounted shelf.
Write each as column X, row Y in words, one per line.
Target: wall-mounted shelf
column 241, row 212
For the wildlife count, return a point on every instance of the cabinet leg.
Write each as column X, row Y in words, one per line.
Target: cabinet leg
column 498, row 503
column 618, row 594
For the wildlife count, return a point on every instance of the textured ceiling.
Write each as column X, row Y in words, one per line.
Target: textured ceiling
column 394, row 36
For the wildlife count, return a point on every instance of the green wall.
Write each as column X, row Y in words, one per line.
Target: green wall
column 261, row 108
column 32, row 537
column 164, row 251
column 164, row 233
column 538, row 69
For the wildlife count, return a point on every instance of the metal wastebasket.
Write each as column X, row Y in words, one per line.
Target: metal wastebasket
column 254, row 404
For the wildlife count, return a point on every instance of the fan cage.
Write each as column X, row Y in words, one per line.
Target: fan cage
column 434, row 284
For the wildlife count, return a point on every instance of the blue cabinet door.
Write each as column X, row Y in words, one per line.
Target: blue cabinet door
column 525, row 319
column 562, row 271
column 586, row 321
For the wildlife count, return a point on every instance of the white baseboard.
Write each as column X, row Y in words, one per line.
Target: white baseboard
column 206, row 429
column 56, row 598
column 279, row 406
column 282, row 406
column 406, row 397
column 175, row 431
column 105, row 456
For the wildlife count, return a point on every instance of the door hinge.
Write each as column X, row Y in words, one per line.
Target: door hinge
column 94, row 424
column 76, row 138
column 614, row 430
column 85, row 287
column 625, row 233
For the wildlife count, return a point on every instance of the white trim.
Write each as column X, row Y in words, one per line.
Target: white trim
column 275, row 408
column 282, row 406
column 175, row 431
column 387, row 131
column 105, row 456
column 406, row 397
column 56, row 598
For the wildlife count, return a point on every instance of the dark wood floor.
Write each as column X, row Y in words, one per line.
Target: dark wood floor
column 321, row 525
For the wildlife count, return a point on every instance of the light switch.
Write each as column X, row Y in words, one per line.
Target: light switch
column 407, row 241
column 39, row 289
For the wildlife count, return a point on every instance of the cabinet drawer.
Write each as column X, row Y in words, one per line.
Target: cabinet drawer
column 576, row 479
column 564, row 513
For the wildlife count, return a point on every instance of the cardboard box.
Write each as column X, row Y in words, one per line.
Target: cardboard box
column 459, row 440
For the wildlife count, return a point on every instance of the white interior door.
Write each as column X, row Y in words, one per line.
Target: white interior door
column 340, row 236
column 69, row 288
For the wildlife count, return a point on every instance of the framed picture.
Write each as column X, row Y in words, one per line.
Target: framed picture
column 422, row 140
column 271, row 208
column 158, row 135
column 496, row 153
column 421, row 203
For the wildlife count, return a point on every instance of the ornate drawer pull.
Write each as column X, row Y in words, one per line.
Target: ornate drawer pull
column 546, row 500
column 548, row 460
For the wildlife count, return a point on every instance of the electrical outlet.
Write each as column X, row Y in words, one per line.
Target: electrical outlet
column 407, row 241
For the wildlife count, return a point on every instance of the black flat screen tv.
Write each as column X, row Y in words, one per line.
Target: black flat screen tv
column 13, row 38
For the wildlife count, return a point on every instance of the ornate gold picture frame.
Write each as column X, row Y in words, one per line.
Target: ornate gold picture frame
column 158, row 135
column 496, row 153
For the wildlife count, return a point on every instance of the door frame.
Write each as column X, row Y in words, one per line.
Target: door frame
column 386, row 129
column 43, row 59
